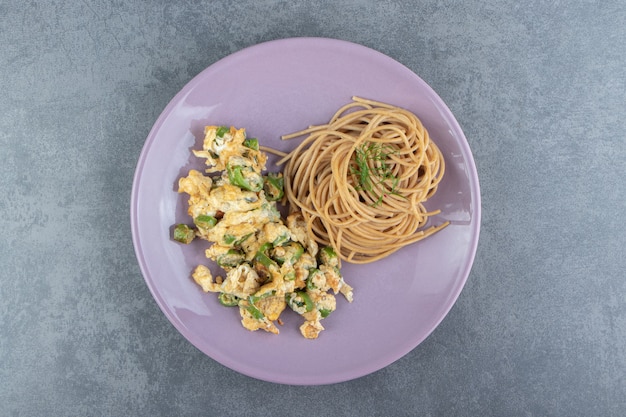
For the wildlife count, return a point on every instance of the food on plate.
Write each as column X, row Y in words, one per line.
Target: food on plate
column 361, row 180
column 268, row 263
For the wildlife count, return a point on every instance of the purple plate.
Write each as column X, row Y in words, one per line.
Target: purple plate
column 272, row 89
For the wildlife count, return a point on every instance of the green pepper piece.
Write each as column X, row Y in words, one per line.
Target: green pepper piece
column 292, row 251
column 254, row 298
column 273, row 185
column 324, row 312
column 300, row 300
column 252, row 309
column 243, row 239
column 290, row 276
column 252, row 143
column 265, row 247
column 231, row 258
column 281, row 240
column 328, row 256
column 184, row 234
column 310, row 285
column 229, row 239
column 299, row 251
column 256, row 313
column 244, row 177
column 228, row 300
column 307, row 301
column 221, row 131
column 265, row 266
column 263, row 259
column 205, row 221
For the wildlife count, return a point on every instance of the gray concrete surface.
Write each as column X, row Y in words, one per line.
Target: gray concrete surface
column 540, row 91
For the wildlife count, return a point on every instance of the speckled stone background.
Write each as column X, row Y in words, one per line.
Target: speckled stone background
column 539, row 88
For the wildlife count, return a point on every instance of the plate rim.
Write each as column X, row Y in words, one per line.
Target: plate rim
column 474, row 188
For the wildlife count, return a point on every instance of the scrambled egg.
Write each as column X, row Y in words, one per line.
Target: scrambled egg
column 268, row 263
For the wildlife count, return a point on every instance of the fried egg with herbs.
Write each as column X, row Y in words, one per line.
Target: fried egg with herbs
column 268, row 263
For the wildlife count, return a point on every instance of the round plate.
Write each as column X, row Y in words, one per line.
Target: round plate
column 272, row 89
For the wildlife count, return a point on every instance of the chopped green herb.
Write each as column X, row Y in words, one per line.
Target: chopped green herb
column 373, row 171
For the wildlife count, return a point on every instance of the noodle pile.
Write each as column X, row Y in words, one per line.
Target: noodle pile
column 360, row 180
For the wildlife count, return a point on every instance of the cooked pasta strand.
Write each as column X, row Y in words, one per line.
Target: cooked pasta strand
column 360, row 180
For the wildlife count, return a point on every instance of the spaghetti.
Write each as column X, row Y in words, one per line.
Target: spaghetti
column 361, row 180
